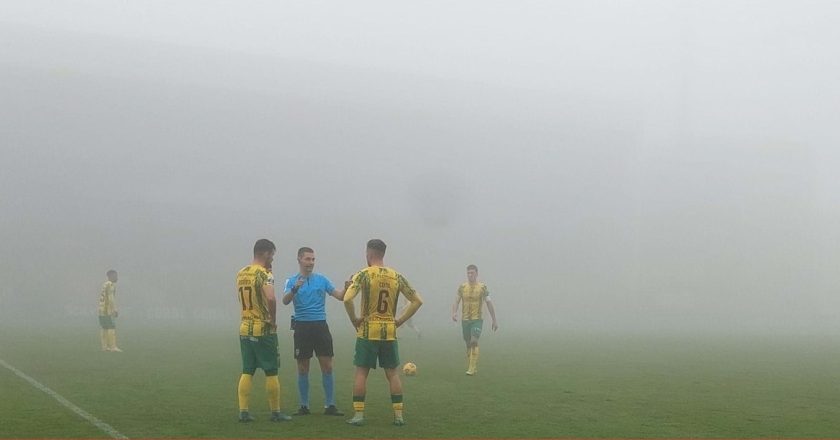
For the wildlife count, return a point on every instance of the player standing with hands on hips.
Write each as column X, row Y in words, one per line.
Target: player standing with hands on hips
column 376, row 329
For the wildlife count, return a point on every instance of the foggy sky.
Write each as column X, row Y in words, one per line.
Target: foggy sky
column 606, row 164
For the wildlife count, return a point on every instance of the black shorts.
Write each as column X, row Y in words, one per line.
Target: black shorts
column 312, row 336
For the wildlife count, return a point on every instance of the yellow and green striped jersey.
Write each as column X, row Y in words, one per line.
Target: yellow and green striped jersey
column 472, row 296
column 379, row 289
column 254, row 310
column 107, row 303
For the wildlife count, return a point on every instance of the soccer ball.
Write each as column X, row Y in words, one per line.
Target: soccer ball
column 409, row 369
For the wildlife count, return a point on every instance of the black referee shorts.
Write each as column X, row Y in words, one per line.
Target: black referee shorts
column 312, row 336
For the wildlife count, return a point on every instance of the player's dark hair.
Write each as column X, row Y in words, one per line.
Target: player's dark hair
column 263, row 245
column 377, row 246
column 110, row 272
column 304, row 250
column 472, row 267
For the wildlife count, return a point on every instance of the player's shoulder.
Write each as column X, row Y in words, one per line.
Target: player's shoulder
column 246, row 269
column 398, row 275
column 365, row 274
column 254, row 269
column 259, row 269
column 368, row 271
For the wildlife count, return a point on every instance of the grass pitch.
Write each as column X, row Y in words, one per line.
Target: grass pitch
column 181, row 382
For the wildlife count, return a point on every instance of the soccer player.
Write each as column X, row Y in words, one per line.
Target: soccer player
column 308, row 290
column 107, row 313
column 474, row 295
column 376, row 329
column 258, row 330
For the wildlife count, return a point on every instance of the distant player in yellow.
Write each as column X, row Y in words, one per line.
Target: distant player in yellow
column 474, row 295
column 258, row 330
column 107, row 313
column 376, row 329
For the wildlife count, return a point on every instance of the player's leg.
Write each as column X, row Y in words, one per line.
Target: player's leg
column 303, row 352
column 466, row 331
column 364, row 359
column 111, row 334
column 112, row 339
column 359, row 384
column 475, row 333
column 389, row 359
column 103, row 333
column 267, row 360
column 249, row 366
column 324, row 351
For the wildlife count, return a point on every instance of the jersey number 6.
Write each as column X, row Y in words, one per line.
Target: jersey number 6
column 382, row 304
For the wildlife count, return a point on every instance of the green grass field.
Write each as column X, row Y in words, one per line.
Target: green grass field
column 182, row 383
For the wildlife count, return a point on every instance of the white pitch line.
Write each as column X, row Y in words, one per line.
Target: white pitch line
column 106, row 428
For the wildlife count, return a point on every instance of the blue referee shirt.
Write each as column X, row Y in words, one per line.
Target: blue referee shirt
column 311, row 296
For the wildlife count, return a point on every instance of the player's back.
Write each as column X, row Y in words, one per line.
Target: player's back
column 379, row 288
column 106, row 298
column 254, row 310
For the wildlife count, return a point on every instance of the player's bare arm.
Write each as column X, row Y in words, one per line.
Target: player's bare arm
column 492, row 311
column 348, row 297
column 414, row 303
column 268, row 293
column 112, row 305
column 455, row 308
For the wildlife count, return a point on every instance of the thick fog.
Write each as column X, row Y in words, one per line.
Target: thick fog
column 645, row 165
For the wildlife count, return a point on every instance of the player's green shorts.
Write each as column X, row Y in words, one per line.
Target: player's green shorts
column 472, row 328
column 259, row 352
column 367, row 352
column 106, row 322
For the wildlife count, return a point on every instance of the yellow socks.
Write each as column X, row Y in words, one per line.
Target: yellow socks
column 472, row 355
column 397, row 404
column 112, row 338
column 272, row 387
column 359, row 406
column 244, row 391
column 475, row 359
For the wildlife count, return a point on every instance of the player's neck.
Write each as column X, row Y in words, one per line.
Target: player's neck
column 376, row 263
column 258, row 262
